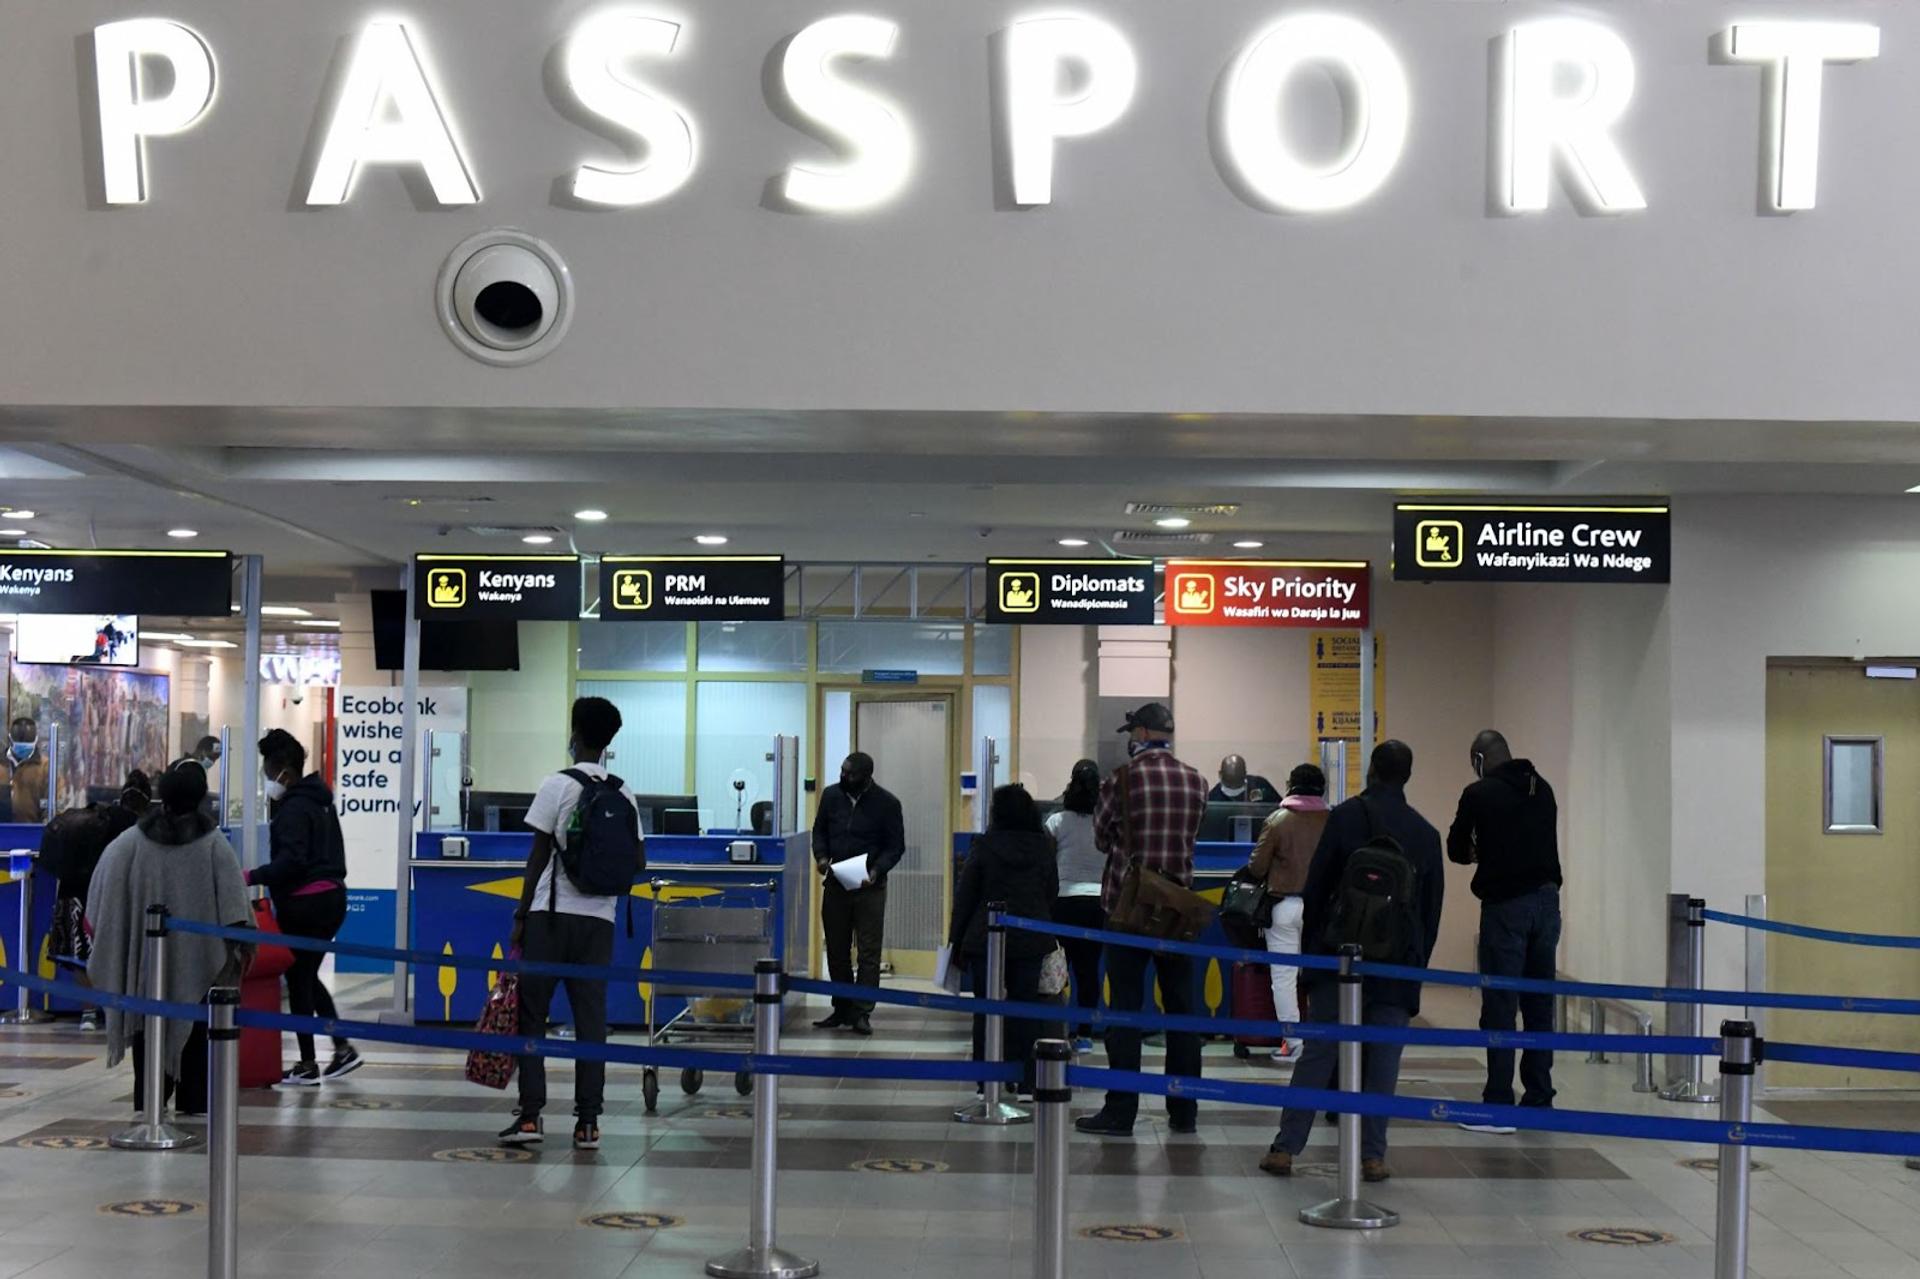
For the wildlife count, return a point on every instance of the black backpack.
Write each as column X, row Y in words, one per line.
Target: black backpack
column 603, row 853
column 1376, row 906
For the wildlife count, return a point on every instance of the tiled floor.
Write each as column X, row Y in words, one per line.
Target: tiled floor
column 356, row 1179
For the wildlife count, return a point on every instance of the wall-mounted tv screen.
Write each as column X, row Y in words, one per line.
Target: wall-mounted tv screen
column 77, row 639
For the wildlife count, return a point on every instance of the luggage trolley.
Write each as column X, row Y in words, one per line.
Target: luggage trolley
column 694, row 935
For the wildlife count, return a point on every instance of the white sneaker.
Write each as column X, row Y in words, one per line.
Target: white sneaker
column 1285, row 1053
column 1491, row 1130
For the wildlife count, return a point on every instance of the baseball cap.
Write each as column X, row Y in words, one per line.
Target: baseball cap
column 1155, row 717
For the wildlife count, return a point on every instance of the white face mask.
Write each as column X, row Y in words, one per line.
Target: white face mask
column 276, row 790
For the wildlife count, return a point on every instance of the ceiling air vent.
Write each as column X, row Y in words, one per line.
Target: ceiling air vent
column 1183, row 508
column 501, row 530
column 1158, row 537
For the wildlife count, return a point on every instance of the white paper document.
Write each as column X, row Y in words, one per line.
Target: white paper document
column 852, row 872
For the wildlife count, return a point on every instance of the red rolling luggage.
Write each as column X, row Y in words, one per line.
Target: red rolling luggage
column 1253, row 1001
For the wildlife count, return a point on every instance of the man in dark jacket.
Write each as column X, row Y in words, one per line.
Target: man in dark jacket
column 1380, row 810
column 856, row 818
column 306, row 874
column 1508, row 829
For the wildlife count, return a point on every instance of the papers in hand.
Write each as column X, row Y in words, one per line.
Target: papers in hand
column 852, row 872
column 948, row 975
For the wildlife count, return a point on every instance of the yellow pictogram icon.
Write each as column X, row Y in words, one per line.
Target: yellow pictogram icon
column 633, row 589
column 447, row 588
column 1020, row 593
column 1439, row 544
column 1193, row 593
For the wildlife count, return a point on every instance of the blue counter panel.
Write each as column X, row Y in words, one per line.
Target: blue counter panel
column 23, row 835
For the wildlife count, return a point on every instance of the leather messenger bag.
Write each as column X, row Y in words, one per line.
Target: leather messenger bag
column 1150, row 904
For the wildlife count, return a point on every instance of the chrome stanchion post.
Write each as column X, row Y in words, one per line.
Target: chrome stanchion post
column 1694, row 1088
column 223, row 1135
column 23, row 1013
column 763, row 1258
column 153, row 1132
column 1739, row 1054
column 990, row 1109
column 1349, row 1211
column 1051, row 1099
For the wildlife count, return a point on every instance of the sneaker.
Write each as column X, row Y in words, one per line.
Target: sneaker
column 523, row 1132
column 304, row 1075
column 1491, row 1130
column 1284, row 1053
column 586, row 1135
column 90, row 1021
column 1083, row 1047
column 345, row 1061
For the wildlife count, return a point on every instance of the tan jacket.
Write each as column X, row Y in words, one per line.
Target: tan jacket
column 1286, row 849
column 30, row 789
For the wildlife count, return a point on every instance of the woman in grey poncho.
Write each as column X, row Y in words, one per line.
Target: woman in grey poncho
column 175, row 857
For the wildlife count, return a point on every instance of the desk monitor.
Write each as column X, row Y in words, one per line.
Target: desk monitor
column 498, row 811
column 680, row 821
column 1234, row 823
column 654, row 809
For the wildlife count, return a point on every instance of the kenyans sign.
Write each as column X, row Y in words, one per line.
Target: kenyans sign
column 522, row 588
column 693, row 588
column 1070, row 592
column 1531, row 542
column 173, row 583
column 1317, row 593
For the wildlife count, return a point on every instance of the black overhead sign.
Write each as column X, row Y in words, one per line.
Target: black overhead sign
column 693, row 588
column 1481, row 541
column 171, row 583
column 477, row 588
column 1071, row 592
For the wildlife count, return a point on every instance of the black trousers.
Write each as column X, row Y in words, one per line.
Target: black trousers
column 554, row 938
column 853, row 920
column 189, row 1086
column 1127, row 979
column 1083, row 957
column 1023, row 987
column 316, row 915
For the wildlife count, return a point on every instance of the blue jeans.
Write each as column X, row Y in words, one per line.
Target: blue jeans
column 1319, row 1068
column 1519, row 938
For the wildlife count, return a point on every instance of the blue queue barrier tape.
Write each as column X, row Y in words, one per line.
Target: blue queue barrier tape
column 1480, row 981
column 1860, row 1058
column 133, row 1004
column 1817, row 934
column 478, row 963
column 1423, row 1037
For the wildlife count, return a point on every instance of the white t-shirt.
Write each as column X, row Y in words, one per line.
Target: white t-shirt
column 552, row 813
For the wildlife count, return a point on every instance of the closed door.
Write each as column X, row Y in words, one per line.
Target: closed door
column 910, row 740
column 1843, row 851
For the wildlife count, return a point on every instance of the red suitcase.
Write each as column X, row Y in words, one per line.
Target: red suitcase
column 1253, row 1001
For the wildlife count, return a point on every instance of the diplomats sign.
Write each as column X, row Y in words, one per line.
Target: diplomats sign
column 175, row 583
column 1070, row 592
column 521, row 588
column 1531, row 541
column 1328, row 594
column 693, row 588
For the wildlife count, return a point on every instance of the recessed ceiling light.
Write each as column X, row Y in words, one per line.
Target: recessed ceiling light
column 200, row 643
column 537, row 539
column 1073, row 541
column 1914, row 489
column 1172, row 521
column 283, row 610
column 590, row 516
column 182, row 533
column 19, row 517
column 165, row 637
column 13, row 532
column 711, row 539
column 1248, row 546
column 319, row 621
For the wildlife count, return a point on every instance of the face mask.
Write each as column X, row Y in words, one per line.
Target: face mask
column 1235, row 791
column 276, row 790
column 23, row 751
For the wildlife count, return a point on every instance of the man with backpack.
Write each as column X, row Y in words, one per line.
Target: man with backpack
column 1377, row 882
column 587, row 852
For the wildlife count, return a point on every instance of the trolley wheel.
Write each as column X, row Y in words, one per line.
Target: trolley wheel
column 1242, row 1051
column 690, row 1080
column 742, row 1082
column 650, row 1088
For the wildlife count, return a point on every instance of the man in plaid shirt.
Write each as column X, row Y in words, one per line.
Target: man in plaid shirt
column 1153, row 815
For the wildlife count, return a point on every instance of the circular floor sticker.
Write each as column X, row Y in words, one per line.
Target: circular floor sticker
column 734, row 1112
column 1316, row 1170
column 483, row 1155
column 149, row 1209
column 13, row 1094
column 62, row 1143
column 1131, row 1234
column 364, row 1103
column 632, row 1221
column 1623, row 1236
column 1710, row 1164
column 899, row 1165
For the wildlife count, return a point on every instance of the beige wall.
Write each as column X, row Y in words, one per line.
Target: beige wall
column 1054, row 720
column 518, row 719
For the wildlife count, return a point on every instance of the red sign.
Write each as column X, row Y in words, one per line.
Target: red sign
column 1328, row 594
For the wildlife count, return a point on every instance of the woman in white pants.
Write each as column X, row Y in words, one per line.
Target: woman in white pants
column 1281, row 860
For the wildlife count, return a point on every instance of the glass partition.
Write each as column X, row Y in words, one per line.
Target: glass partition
column 650, row 754
column 445, row 771
column 936, row 648
column 738, row 722
column 758, row 647
column 632, row 646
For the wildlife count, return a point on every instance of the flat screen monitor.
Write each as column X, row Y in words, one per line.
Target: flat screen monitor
column 1234, row 823
column 444, row 646
column 77, row 639
column 655, row 808
column 680, row 821
column 493, row 810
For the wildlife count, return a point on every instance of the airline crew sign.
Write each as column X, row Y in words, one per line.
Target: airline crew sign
column 1325, row 594
column 1531, row 542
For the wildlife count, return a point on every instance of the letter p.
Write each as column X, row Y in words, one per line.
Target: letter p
column 1067, row 76
column 129, row 111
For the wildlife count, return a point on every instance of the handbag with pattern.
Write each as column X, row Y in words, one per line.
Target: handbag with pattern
column 501, row 1016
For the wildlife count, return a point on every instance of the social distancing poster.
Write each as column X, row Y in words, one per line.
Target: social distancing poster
column 1333, row 696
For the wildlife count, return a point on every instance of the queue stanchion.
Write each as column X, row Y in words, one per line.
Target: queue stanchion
column 223, row 1134
column 153, row 1132
column 1739, row 1054
column 1348, row 1211
column 763, row 1258
column 23, row 1013
column 991, row 1109
column 1051, row 1101
column 1694, row 1088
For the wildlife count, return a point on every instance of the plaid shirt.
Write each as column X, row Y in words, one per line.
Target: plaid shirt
column 1167, row 800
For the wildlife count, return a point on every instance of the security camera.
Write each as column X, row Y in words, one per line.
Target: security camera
column 505, row 298
column 986, row 532
column 296, row 695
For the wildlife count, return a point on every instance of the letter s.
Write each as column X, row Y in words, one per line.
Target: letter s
column 881, row 146
column 596, row 54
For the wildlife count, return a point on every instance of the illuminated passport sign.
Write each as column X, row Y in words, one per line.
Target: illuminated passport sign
column 693, row 588
column 1623, row 541
column 1324, row 594
column 1070, row 592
